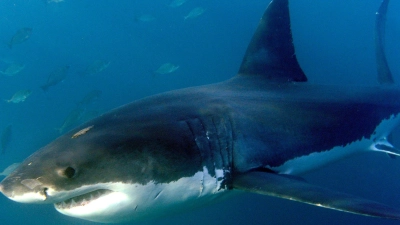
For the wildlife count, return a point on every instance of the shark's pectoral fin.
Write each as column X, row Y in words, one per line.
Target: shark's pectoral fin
column 284, row 186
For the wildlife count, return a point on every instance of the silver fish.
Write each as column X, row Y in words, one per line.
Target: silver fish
column 166, row 68
column 20, row 36
column 55, row 77
column 53, row 1
column 73, row 117
column 176, row 3
column 196, row 12
column 12, row 69
column 20, row 96
column 9, row 169
column 90, row 97
column 88, row 115
column 96, row 66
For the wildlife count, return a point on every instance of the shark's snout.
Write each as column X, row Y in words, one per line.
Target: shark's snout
column 24, row 191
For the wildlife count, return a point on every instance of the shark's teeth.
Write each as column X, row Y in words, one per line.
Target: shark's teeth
column 82, row 200
column 73, row 203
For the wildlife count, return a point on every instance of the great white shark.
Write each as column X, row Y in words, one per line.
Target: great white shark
column 257, row 132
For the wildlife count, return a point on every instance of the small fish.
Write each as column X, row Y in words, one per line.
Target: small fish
column 176, row 3
column 166, row 68
column 82, row 132
column 9, row 169
column 53, row 1
column 20, row 36
column 13, row 69
column 72, row 119
column 97, row 66
column 55, row 77
column 90, row 97
column 90, row 114
column 20, row 96
column 196, row 12
column 6, row 138
column 145, row 18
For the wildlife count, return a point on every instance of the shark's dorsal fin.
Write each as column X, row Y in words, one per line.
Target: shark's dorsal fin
column 384, row 74
column 271, row 51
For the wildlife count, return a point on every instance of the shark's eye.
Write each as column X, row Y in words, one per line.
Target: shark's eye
column 69, row 172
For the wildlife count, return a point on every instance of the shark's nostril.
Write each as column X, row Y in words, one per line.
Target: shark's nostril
column 45, row 192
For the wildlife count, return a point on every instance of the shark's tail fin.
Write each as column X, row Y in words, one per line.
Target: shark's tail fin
column 384, row 73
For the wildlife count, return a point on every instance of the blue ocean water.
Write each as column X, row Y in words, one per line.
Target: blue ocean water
column 334, row 41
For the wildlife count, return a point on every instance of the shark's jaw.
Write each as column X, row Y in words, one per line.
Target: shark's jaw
column 119, row 202
column 99, row 205
column 83, row 200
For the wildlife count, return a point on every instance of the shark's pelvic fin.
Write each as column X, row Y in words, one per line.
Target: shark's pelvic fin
column 384, row 73
column 271, row 50
column 301, row 191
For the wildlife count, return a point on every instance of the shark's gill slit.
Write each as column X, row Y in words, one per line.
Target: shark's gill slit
column 158, row 194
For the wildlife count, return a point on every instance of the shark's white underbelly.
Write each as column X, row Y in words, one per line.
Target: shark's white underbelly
column 315, row 160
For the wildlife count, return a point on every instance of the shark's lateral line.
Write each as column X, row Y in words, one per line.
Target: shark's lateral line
column 185, row 148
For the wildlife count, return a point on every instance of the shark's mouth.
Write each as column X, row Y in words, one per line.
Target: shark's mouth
column 82, row 200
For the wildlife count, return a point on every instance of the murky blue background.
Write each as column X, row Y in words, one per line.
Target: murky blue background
column 334, row 42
